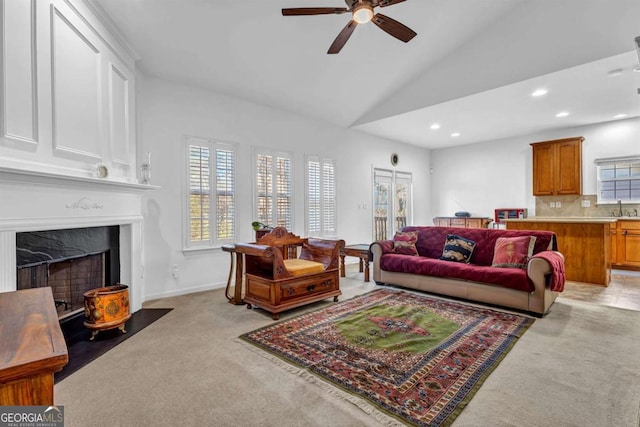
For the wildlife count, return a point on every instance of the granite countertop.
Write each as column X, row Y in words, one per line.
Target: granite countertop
column 573, row 219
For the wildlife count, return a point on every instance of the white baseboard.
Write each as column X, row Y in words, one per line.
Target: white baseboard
column 183, row 291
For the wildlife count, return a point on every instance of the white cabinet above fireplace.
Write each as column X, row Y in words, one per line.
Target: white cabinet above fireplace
column 69, row 91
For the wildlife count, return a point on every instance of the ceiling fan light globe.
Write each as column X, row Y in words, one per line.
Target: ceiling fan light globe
column 363, row 13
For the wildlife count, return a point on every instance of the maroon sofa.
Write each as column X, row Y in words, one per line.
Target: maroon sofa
column 532, row 289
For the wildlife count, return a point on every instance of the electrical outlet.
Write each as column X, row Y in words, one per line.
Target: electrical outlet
column 175, row 272
column 552, row 204
column 558, row 204
column 586, row 203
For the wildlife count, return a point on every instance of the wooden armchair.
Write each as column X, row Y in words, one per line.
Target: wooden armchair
column 276, row 282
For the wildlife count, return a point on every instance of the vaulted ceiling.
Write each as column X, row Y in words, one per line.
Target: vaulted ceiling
column 471, row 68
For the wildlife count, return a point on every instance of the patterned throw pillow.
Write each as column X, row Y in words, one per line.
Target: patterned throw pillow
column 405, row 243
column 513, row 252
column 458, row 249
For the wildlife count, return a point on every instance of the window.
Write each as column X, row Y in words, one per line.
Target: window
column 392, row 202
column 321, row 206
column 211, row 199
column 273, row 189
column 618, row 179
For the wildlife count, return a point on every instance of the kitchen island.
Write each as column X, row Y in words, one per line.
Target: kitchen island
column 585, row 243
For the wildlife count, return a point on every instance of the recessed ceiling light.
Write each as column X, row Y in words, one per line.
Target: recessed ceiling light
column 435, row 126
column 562, row 114
column 615, row 73
column 539, row 92
column 455, row 134
column 637, row 69
column 619, row 116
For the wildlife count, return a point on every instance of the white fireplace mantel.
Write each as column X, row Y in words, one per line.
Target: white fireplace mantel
column 11, row 174
column 35, row 201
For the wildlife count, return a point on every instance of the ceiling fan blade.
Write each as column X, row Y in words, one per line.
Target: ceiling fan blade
column 393, row 27
column 296, row 11
column 342, row 38
column 385, row 3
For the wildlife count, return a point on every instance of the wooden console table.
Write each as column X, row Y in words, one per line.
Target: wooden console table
column 461, row 221
column 237, row 266
column 360, row 251
column 32, row 347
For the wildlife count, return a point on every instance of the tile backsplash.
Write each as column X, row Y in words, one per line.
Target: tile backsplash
column 573, row 206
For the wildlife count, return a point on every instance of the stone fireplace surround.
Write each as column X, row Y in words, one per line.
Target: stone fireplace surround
column 38, row 201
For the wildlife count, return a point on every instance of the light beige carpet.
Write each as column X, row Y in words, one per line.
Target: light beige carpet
column 580, row 365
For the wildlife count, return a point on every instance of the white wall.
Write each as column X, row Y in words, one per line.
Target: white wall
column 498, row 174
column 167, row 111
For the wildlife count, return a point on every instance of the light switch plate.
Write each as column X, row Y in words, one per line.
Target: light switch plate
column 558, row 204
column 552, row 204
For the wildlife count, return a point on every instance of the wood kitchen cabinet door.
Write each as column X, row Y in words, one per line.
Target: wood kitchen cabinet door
column 629, row 250
column 614, row 243
column 557, row 167
column 544, row 169
column 569, row 168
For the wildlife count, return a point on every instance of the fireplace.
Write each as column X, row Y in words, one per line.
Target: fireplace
column 70, row 261
column 42, row 203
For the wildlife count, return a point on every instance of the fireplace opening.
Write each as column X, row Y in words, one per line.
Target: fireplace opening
column 68, row 279
column 70, row 261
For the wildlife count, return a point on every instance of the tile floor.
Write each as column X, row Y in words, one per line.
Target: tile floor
column 623, row 291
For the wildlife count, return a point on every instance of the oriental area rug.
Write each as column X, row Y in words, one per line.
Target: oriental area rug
column 416, row 358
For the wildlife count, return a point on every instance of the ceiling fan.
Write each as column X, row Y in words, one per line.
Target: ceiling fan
column 362, row 12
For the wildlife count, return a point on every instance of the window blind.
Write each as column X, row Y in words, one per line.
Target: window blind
column 321, row 206
column 274, row 189
column 211, row 216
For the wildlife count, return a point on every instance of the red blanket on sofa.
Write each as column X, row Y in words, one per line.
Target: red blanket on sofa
column 558, row 276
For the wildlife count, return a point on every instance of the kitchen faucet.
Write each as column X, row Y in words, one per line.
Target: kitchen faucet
column 619, row 208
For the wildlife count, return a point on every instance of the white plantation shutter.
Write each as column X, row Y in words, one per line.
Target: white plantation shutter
column 321, row 206
column 225, row 193
column 314, row 205
column 274, row 189
column 211, row 216
column 199, row 194
column 283, row 173
column 264, row 185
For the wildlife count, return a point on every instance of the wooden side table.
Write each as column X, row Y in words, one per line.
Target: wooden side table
column 237, row 264
column 360, row 251
column 32, row 347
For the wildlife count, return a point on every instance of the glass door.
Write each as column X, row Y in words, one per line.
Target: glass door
column 392, row 202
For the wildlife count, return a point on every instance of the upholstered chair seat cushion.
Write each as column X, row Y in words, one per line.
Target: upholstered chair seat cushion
column 301, row 267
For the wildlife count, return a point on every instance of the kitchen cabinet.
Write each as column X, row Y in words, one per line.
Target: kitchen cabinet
column 625, row 243
column 613, row 232
column 461, row 222
column 557, row 167
column 584, row 242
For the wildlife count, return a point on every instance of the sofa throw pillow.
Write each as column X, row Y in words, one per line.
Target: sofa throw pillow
column 458, row 249
column 405, row 243
column 513, row 252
